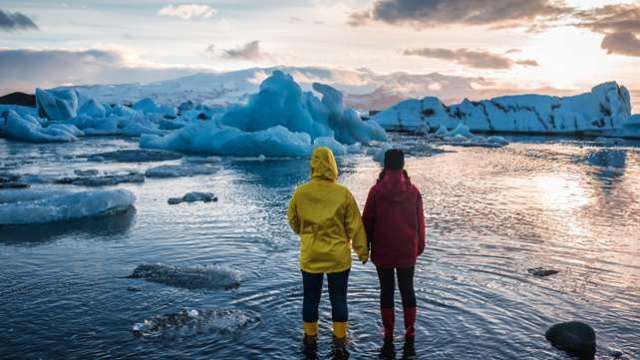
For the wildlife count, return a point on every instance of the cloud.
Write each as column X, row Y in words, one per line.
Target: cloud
column 623, row 43
column 249, row 51
column 188, row 11
column 429, row 13
column 25, row 69
column 471, row 58
column 16, row 21
column 619, row 23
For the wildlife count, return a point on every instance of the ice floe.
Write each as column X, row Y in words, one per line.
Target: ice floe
column 186, row 321
column 43, row 206
column 198, row 277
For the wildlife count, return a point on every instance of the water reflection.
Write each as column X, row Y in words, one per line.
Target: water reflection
column 98, row 227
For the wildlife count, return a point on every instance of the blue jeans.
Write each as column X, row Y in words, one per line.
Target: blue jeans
column 312, row 284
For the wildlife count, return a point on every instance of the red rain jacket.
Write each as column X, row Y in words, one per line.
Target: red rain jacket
column 394, row 220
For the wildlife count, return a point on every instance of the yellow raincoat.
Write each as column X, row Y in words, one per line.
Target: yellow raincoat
column 327, row 218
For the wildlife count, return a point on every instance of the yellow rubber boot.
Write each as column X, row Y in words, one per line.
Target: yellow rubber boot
column 311, row 328
column 340, row 330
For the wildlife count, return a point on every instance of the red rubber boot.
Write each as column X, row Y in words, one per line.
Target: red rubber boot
column 410, row 322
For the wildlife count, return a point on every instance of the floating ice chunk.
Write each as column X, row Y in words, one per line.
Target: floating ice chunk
column 337, row 148
column 171, row 171
column 199, row 277
column 497, row 140
column 192, row 321
column 148, row 106
column 138, row 126
column 461, row 130
column 442, row 132
column 186, row 106
column 103, row 180
column 121, row 110
column 142, row 155
column 30, row 129
column 57, row 105
column 33, row 207
column 193, row 197
column 92, row 108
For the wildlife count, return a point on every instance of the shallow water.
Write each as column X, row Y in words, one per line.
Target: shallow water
column 491, row 213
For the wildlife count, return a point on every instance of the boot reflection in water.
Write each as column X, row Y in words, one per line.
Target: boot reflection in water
column 409, row 351
column 388, row 351
column 339, row 351
column 310, row 347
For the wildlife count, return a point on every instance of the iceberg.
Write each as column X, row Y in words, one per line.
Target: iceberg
column 30, row 129
column 198, row 277
column 45, row 206
column 148, row 106
column 279, row 121
column 604, row 110
column 57, row 105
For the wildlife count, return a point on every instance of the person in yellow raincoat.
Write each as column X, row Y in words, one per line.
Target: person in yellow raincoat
column 327, row 218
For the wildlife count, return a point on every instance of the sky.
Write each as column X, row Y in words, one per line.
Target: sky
column 524, row 44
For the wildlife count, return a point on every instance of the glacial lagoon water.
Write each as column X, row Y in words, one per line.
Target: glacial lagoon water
column 569, row 205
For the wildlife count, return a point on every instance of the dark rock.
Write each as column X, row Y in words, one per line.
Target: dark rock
column 18, row 98
column 574, row 337
column 13, row 185
column 542, row 272
column 616, row 354
column 193, row 197
column 202, row 116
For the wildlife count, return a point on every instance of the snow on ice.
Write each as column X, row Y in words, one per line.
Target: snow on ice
column 43, row 206
column 605, row 110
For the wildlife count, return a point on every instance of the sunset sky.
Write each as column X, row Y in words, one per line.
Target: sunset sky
column 526, row 44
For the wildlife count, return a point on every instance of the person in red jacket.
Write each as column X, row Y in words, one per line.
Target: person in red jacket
column 394, row 222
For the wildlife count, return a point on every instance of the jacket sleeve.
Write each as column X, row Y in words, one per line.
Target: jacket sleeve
column 292, row 214
column 355, row 229
column 421, row 226
column 369, row 216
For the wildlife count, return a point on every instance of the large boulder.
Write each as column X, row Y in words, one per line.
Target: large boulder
column 574, row 337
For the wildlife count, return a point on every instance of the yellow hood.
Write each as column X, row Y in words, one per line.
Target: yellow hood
column 323, row 165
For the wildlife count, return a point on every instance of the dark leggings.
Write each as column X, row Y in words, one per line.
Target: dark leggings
column 387, row 286
column 312, row 284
